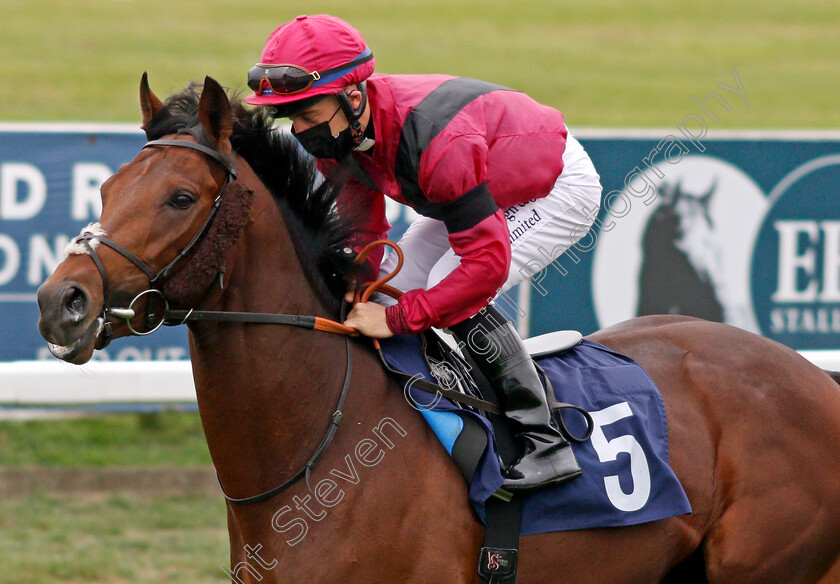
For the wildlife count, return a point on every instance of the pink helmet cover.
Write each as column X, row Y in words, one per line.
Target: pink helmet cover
column 315, row 43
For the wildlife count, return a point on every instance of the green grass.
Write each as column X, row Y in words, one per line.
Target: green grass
column 604, row 63
column 158, row 439
column 48, row 538
column 110, row 537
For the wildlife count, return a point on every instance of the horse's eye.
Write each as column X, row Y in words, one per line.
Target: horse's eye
column 181, row 200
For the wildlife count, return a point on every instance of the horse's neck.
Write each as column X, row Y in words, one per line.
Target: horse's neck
column 263, row 387
column 266, row 395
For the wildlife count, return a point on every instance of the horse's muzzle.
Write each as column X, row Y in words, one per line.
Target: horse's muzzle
column 67, row 322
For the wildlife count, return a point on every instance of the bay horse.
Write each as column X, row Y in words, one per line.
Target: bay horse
column 754, row 428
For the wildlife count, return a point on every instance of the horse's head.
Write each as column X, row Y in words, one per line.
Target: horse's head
column 685, row 221
column 155, row 210
column 689, row 208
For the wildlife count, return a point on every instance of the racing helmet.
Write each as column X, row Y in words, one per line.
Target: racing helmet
column 307, row 59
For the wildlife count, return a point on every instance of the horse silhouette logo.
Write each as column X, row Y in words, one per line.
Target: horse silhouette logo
column 689, row 252
column 681, row 257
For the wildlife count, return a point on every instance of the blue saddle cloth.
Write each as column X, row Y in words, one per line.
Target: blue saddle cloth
column 626, row 477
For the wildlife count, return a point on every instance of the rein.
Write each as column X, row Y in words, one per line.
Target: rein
column 173, row 317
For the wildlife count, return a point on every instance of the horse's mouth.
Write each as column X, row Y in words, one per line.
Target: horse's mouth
column 81, row 350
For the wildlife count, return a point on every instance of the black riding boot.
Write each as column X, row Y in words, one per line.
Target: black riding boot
column 496, row 348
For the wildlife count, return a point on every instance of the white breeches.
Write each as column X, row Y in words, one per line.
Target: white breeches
column 540, row 230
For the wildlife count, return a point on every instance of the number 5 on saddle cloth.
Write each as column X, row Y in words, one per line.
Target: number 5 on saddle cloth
column 626, row 477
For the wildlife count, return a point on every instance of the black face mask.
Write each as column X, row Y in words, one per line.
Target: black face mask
column 320, row 142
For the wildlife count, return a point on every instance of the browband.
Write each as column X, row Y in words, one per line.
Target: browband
column 229, row 165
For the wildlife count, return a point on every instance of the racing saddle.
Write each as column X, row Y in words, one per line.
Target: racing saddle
column 432, row 364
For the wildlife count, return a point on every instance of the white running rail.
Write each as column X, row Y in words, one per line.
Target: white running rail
column 24, row 383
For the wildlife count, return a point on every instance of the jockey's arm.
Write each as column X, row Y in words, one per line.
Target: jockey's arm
column 484, row 250
column 453, row 173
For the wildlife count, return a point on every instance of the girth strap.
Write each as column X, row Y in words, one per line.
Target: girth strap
column 497, row 562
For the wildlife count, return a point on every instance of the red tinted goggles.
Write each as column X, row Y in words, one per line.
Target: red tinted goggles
column 266, row 78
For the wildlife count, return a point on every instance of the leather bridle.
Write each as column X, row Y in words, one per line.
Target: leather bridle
column 181, row 317
column 177, row 317
column 155, row 278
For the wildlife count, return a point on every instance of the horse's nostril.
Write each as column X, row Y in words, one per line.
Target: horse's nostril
column 75, row 303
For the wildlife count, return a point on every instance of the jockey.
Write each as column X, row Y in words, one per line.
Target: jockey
column 500, row 184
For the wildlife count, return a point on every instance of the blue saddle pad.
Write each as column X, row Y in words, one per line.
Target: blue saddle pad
column 626, row 477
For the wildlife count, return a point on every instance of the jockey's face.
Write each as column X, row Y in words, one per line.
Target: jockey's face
column 323, row 111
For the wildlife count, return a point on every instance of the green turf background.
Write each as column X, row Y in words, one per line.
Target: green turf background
column 604, row 63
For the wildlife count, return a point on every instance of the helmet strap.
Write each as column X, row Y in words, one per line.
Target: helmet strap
column 352, row 114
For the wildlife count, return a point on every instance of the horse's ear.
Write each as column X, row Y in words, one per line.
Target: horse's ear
column 149, row 103
column 667, row 192
column 678, row 192
column 705, row 198
column 216, row 115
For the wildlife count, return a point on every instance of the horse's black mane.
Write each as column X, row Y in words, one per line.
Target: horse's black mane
column 306, row 200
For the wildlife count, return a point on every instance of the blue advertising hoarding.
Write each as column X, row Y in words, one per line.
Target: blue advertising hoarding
column 745, row 232
column 49, row 191
column 740, row 229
